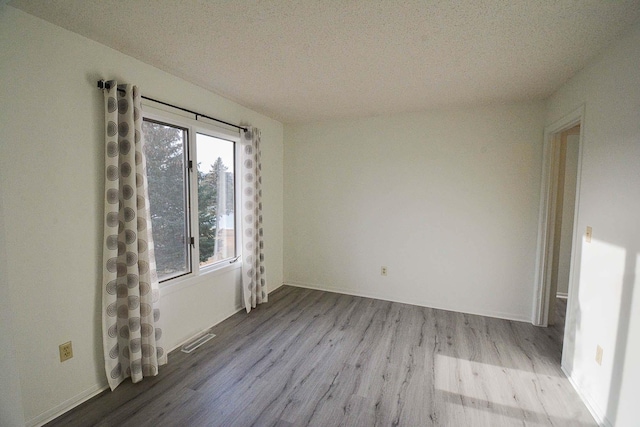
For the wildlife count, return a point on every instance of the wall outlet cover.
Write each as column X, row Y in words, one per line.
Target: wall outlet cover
column 66, row 351
column 599, row 352
column 588, row 234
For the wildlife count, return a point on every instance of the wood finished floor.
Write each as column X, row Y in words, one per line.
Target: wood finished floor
column 324, row 359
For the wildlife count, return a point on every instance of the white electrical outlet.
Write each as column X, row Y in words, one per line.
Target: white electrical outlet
column 66, row 351
column 599, row 355
column 587, row 235
column 383, row 271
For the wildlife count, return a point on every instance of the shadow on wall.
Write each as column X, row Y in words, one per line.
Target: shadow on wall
column 601, row 265
column 622, row 336
column 573, row 316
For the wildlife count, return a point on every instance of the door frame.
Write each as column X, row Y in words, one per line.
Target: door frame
column 547, row 213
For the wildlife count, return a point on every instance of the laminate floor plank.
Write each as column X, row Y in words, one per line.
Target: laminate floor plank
column 313, row 358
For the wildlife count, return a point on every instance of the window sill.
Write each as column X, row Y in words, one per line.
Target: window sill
column 181, row 283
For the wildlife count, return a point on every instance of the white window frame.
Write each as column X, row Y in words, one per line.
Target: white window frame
column 150, row 111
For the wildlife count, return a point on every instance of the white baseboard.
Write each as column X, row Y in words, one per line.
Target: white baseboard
column 591, row 406
column 65, row 406
column 428, row 304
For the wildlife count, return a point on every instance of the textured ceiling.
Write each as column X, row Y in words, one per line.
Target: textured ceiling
column 300, row 61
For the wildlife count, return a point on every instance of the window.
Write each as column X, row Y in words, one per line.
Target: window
column 216, row 210
column 192, row 192
column 166, row 151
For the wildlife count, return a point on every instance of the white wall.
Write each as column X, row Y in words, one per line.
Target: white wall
column 604, row 309
column 51, row 166
column 447, row 200
column 11, row 413
column 568, row 210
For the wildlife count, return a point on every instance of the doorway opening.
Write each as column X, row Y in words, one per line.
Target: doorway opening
column 563, row 224
column 557, row 233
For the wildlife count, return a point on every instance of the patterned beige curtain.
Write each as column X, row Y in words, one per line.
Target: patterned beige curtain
column 254, row 281
column 131, row 336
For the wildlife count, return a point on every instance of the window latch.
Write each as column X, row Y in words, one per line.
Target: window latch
column 192, row 241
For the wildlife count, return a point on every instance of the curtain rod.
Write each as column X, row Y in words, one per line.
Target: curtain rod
column 105, row 85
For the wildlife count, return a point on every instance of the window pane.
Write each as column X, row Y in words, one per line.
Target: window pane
column 165, row 151
column 215, row 199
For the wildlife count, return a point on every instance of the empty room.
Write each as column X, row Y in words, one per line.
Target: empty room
column 324, row 213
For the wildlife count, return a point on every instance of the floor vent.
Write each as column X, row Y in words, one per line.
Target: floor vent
column 197, row 342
